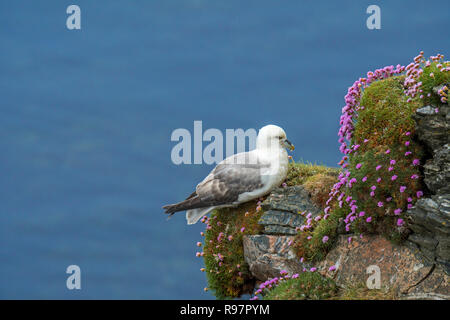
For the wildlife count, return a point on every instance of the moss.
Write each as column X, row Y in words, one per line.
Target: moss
column 385, row 122
column 315, row 249
column 300, row 173
column 227, row 273
column 319, row 186
column 308, row 286
column 360, row 291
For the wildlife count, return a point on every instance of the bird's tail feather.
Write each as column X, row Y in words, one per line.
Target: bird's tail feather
column 193, row 215
column 190, row 203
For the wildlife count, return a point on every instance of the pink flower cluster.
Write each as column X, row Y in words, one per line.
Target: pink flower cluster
column 347, row 122
column 415, row 69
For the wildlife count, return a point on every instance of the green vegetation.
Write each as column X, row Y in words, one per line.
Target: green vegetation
column 308, row 286
column 300, row 173
column 226, row 271
column 359, row 291
column 385, row 180
column 310, row 243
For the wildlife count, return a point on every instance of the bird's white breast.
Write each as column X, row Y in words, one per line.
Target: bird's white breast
column 272, row 176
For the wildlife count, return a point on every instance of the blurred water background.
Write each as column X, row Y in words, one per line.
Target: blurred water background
column 86, row 118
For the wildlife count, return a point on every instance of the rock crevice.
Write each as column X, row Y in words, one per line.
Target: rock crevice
column 429, row 219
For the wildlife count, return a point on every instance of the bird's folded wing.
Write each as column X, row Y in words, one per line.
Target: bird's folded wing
column 233, row 176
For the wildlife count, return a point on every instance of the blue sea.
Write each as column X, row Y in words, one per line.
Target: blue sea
column 86, row 118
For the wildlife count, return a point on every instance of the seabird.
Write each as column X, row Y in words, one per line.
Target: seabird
column 241, row 177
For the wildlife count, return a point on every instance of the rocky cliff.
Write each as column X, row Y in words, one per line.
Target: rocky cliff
column 377, row 228
column 419, row 268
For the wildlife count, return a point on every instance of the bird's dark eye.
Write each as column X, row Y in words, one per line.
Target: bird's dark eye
column 280, row 137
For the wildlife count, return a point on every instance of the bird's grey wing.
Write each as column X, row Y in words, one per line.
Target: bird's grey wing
column 233, row 176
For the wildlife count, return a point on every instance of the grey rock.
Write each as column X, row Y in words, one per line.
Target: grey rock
column 423, row 242
column 432, row 128
column 445, row 264
column 430, row 217
column 282, row 209
column 293, row 199
column 425, row 111
column 437, row 171
column 267, row 255
column 280, row 218
column 443, row 249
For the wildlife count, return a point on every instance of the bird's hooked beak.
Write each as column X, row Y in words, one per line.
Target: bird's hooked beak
column 288, row 145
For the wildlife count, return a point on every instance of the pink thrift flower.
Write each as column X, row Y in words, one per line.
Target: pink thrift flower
column 369, row 219
column 362, row 213
column 419, row 194
column 378, row 180
column 416, row 162
column 380, row 204
column 242, row 229
column 407, row 143
column 394, row 177
column 378, row 167
column 358, row 165
column 388, row 151
column 364, row 179
column 402, row 189
column 407, row 153
column 325, row 239
column 392, row 162
column 400, row 222
column 397, row 211
column 332, row 268
column 372, row 194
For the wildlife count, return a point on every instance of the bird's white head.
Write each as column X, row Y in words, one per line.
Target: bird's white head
column 272, row 136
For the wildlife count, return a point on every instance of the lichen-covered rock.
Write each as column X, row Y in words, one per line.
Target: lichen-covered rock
column 267, row 255
column 433, row 128
column 430, row 223
column 429, row 219
column 282, row 208
column 437, row 170
column 278, row 222
column 400, row 268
